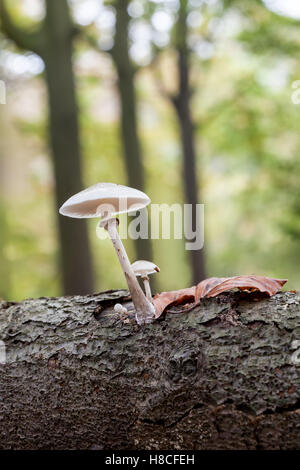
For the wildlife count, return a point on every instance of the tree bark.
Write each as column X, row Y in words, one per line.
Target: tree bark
column 129, row 130
column 182, row 106
column 225, row 375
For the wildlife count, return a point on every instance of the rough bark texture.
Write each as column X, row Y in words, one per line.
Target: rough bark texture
column 222, row 376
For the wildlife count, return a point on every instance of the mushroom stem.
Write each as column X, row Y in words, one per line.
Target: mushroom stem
column 144, row 309
column 146, row 282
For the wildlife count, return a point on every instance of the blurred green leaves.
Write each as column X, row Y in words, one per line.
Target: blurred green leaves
column 247, row 132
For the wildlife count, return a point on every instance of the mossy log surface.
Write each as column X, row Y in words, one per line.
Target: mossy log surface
column 225, row 375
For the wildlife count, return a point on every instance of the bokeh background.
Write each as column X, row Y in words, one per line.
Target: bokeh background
column 189, row 100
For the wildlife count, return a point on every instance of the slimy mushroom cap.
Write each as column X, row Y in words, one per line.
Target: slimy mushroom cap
column 143, row 268
column 104, row 198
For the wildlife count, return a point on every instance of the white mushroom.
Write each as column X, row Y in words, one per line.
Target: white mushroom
column 118, row 308
column 144, row 268
column 105, row 200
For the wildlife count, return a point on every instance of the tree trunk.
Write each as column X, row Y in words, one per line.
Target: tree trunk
column 53, row 42
column 129, row 132
column 76, row 262
column 225, row 375
column 182, row 107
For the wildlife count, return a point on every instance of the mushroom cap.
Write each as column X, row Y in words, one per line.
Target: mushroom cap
column 143, row 268
column 104, row 197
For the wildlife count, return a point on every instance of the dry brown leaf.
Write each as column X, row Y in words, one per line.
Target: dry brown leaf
column 175, row 297
column 214, row 286
column 204, row 287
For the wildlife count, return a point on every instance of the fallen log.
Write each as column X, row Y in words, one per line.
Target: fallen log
column 77, row 375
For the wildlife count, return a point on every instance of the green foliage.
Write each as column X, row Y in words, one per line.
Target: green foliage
column 248, row 146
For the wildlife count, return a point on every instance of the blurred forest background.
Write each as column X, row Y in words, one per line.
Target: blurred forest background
column 188, row 100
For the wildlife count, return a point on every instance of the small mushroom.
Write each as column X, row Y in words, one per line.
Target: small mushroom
column 118, row 308
column 144, row 268
column 105, row 200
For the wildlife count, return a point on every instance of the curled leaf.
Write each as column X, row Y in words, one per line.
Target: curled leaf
column 214, row 286
column 175, row 297
column 204, row 287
